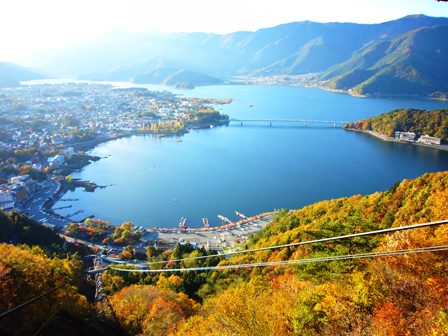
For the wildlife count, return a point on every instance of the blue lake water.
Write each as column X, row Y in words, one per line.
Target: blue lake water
column 153, row 182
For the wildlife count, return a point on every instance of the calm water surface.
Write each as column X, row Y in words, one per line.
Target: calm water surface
column 153, row 182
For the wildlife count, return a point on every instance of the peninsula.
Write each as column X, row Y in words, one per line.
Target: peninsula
column 417, row 127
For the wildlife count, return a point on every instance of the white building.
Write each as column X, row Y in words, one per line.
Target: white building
column 405, row 136
column 56, row 161
column 25, row 181
column 6, row 200
column 429, row 140
column 69, row 152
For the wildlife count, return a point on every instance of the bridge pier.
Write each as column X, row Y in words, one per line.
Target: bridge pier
column 270, row 124
column 241, row 124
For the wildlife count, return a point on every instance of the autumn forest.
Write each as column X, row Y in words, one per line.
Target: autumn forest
column 395, row 295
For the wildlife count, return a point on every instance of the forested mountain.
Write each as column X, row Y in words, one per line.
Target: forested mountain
column 34, row 260
column 385, row 296
column 364, row 56
column 413, row 63
column 28, row 272
column 389, row 295
column 421, row 122
column 17, row 228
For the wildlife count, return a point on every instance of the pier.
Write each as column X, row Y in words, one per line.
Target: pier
column 218, row 237
column 224, row 219
column 182, row 227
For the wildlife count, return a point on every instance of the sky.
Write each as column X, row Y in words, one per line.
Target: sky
column 29, row 26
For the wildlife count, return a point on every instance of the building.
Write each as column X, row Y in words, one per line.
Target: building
column 25, row 181
column 6, row 200
column 405, row 136
column 56, row 161
column 57, row 140
column 69, row 152
column 429, row 140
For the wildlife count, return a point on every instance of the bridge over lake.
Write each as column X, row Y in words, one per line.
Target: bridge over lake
column 282, row 122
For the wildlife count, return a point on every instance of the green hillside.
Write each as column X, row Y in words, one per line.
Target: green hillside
column 433, row 123
column 414, row 63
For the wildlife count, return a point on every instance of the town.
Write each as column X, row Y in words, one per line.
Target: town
column 46, row 129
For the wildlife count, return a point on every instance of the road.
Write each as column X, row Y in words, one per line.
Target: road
column 34, row 207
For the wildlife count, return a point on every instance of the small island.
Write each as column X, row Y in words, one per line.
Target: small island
column 417, row 127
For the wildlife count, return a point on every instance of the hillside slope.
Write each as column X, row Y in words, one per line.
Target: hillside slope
column 400, row 295
column 396, row 295
column 415, row 63
column 11, row 74
column 433, row 123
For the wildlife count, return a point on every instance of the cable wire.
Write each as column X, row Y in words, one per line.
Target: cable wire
column 42, row 327
column 295, row 262
column 322, row 240
column 23, row 305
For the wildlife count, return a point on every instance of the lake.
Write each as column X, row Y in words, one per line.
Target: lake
column 252, row 169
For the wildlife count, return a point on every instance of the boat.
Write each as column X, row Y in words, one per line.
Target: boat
column 182, row 223
column 206, row 223
column 239, row 214
column 224, row 219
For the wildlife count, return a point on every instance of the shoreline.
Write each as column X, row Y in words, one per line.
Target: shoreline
column 216, row 237
column 90, row 145
column 213, row 238
column 390, row 139
column 319, row 85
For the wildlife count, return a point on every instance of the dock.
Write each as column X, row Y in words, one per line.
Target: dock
column 217, row 237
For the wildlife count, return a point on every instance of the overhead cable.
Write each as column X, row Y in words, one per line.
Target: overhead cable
column 293, row 262
column 322, row 240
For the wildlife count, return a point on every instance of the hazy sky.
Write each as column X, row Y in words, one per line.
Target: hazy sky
column 31, row 25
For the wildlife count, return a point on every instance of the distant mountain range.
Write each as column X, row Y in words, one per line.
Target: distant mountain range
column 404, row 56
column 11, row 74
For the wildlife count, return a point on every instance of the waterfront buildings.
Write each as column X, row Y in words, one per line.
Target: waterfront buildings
column 6, row 200
column 412, row 137
column 18, row 189
column 405, row 136
column 429, row 140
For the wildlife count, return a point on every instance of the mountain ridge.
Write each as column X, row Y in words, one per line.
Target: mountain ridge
column 407, row 64
column 287, row 49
